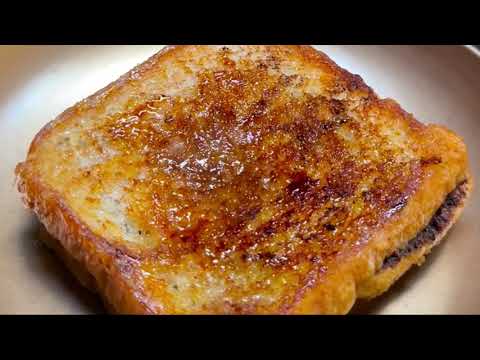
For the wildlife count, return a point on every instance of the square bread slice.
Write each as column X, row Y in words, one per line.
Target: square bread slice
column 242, row 180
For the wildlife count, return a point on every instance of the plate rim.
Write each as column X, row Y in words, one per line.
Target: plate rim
column 473, row 49
column 459, row 50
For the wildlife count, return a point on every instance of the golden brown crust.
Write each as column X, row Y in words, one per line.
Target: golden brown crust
column 322, row 278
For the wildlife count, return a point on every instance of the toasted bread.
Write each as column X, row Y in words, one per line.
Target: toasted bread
column 242, row 180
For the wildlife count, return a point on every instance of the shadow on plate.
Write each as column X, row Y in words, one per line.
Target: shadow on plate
column 44, row 261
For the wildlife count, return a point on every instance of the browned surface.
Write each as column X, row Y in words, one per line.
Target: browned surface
column 263, row 184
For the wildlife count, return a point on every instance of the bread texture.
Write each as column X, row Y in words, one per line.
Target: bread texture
column 240, row 180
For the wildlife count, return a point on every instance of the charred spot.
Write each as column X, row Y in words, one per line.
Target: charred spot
column 355, row 82
column 259, row 108
column 326, row 126
column 301, row 186
column 340, row 119
column 314, row 123
column 336, row 107
column 431, row 161
column 333, row 253
column 223, row 113
column 281, row 223
column 285, row 220
column 329, row 227
column 269, row 230
column 191, row 238
column 269, row 62
column 221, row 246
column 270, row 258
column 286, row 80
column 367, row 195
column 262, row 65
column 375, row 196
column 338, row 188
column 312, row 258
column 306, row 238
column 319, row 237
column 186, row 238
column 250, row 213
column 303, row 132
column 190, row 241
column 273, row 62
column 309, row 130
column 270, row 93
column 240, row 309
column 169, row 119
column 266, row 256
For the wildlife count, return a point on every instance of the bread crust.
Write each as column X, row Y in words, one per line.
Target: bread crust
column 383, row 280
column 114, row 268
column 84, row 252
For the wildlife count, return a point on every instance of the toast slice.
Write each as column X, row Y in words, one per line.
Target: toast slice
column 242, row 180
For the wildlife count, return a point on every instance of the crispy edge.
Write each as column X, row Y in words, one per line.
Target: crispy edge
column 112, row 272
column 381, row 282
column 338, row 292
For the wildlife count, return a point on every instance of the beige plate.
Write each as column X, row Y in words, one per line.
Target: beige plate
column 436, row 83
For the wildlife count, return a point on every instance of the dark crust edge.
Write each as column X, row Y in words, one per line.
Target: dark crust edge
column 438, row 223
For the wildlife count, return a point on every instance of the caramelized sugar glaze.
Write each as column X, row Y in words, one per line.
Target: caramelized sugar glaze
column 255, row 182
